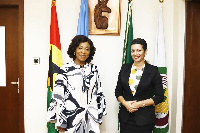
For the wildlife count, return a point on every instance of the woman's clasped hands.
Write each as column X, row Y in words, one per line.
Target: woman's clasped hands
column 131, row 106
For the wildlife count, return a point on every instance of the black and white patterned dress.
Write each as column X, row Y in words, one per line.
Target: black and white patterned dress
column 78, row 102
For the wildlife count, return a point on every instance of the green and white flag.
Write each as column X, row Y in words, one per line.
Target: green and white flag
column 162, row 109
column 128, row 36
column 127, row 41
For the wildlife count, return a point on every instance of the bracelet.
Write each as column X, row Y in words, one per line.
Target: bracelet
column 143, row 103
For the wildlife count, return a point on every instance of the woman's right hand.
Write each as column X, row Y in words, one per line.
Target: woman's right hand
column 61, row 129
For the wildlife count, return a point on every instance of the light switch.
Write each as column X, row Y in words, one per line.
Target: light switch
column 36, row 60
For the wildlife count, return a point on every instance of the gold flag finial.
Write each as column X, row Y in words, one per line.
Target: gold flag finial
column 53, row 3
column 161, row 1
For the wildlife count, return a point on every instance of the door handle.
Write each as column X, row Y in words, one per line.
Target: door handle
column 16, row 83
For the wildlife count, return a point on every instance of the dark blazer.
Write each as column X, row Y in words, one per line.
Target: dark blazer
column 150, row 86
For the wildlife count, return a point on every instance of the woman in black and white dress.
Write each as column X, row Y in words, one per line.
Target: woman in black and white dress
column 78, row 102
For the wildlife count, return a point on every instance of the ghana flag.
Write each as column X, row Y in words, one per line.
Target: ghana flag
column 55, row 59
column 162, row 109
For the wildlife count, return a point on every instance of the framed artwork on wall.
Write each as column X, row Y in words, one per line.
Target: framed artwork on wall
column 104, row 17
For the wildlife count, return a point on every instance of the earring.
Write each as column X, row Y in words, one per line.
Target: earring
column 74, row 53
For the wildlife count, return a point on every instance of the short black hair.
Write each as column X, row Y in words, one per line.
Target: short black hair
column 140, row 41
column 75, row 43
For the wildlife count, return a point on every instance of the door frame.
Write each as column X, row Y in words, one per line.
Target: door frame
column 20, row 5
column 188, row 84
column 21, row 66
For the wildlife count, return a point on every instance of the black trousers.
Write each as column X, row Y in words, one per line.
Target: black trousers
column 132, row 127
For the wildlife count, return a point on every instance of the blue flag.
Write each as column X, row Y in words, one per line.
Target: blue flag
column 82, row 28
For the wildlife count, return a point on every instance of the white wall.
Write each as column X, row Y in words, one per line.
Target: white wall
column 108, row 55
column 181, row 61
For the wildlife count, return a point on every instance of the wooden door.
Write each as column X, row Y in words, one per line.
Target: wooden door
column 191, row 112
column 12, row 95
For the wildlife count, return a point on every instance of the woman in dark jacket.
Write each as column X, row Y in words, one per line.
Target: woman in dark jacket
column 139, row 89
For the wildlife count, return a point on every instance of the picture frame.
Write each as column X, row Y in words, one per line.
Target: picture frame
column 114, row 18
